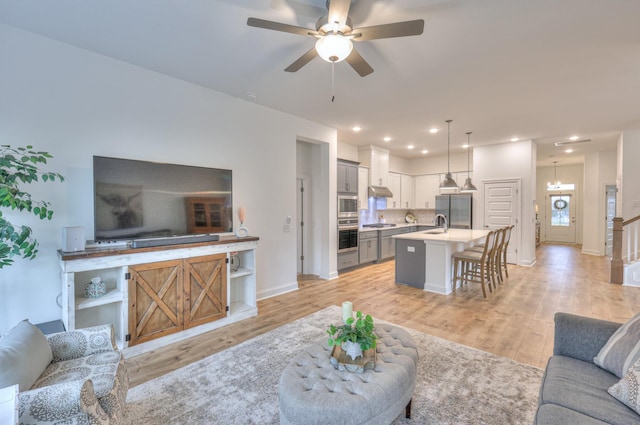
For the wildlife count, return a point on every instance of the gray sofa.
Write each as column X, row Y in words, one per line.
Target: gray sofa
column 574, row 389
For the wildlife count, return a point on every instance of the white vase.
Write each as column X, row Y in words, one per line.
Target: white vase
column 352, row 349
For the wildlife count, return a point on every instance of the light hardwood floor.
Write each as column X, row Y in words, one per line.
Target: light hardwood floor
column 514, row 321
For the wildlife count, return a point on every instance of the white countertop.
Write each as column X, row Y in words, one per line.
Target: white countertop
column 452, row 235
column 397, row 226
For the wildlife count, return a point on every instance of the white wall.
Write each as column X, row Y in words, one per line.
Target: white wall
column 438, row 164
column 348, row 152
column 630, row 189
column 509, row 161
column 599, row 170
column 76, row 104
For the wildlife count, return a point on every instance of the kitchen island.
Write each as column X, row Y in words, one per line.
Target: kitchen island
column 423, row 259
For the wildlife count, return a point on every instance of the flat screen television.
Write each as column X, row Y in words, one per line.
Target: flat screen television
column 140, row 199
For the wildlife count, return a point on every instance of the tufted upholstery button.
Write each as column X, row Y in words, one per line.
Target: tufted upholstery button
column 317, row 393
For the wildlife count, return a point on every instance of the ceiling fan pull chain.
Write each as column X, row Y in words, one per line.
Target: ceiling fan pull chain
column 333, row 84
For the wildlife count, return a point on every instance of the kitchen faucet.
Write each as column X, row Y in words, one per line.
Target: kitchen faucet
column 444, row 217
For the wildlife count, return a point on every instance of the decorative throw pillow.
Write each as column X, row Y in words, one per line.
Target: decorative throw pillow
column 622, row 350
column 24, row 354
column 627, row 390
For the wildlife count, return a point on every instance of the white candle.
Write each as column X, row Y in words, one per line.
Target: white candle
column 347, row 310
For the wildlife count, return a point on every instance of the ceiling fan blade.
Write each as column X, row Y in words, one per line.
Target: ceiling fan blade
column 302, row 60
column 339, row 11
column 358, row 63
column 398, row 29
column 270, row 25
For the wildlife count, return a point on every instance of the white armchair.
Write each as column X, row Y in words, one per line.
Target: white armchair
column 84, row 381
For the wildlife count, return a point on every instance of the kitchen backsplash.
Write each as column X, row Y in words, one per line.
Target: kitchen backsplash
column 372, row 215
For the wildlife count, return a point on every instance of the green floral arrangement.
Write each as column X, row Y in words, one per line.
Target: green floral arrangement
column 358, row 330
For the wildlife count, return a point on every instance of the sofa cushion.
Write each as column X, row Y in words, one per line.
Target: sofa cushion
column 582, row 386
column 627, row 390
column 552, row 414
column 24, row 354
column 622, row 350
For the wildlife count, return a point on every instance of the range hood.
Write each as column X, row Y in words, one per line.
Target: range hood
column 380, row 192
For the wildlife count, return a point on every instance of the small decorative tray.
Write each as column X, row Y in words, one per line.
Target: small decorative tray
column 341, row 361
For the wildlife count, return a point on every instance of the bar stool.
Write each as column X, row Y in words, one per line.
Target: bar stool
column 472, row 266
column 495, row 255
column 505, row 246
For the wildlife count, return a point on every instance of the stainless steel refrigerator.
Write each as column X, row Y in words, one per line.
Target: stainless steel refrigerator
column 457, row 208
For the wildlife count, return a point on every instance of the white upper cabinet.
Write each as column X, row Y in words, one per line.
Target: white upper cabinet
column 395, row 186
column 363, row 188
column 426, row 189
column 406, row 192
column 377, row 159
column 401, row 186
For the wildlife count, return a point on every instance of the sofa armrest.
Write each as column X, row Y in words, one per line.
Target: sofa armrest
column 71, row 402
column 581, row 337
column 82, row 342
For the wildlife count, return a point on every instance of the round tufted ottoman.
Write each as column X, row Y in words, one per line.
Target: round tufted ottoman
column 312, row 391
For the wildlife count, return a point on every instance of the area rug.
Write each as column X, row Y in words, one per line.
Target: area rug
column 455, row 384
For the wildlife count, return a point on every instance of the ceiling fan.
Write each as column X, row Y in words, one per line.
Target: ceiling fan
column 335, row 35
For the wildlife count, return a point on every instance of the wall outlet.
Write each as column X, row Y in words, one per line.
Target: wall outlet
column 411, row 249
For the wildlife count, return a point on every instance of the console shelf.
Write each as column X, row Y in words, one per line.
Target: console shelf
column 112, row 296
column 120, row 267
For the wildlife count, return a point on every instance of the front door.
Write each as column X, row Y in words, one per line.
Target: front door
column 501, row 210
column 561, row 218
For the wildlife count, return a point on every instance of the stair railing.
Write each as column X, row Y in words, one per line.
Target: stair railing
column 632, row 227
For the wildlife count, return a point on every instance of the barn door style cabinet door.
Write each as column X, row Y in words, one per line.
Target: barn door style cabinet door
column 155, row 300
column 172, row 296
column 157, row 296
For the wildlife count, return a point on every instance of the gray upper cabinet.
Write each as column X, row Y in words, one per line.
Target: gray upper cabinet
column 347, row 177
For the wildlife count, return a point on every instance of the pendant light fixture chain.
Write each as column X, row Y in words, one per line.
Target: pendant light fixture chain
column 468, row 186
column 448, row 182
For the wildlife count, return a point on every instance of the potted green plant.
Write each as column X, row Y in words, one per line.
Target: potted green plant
column 20, row 166
column 355, row 336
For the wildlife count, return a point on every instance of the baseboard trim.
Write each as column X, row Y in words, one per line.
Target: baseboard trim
column 282, row 289
column 592, row 252
column 529, row 263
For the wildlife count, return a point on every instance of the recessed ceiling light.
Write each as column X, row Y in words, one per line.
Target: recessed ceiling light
column 568, row 150
column 574, row 138
column 465, row 146
column 387, row 139
column 356, row 128
column 514, row 139
column 410, row 147
column 433, row 130
column 251, row 96
column 425, row 151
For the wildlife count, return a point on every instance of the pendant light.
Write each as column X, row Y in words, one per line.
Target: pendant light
column 448, row 182
column 468, row 186
column 556, row 183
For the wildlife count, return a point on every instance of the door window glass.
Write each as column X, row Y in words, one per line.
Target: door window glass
column 560, row 210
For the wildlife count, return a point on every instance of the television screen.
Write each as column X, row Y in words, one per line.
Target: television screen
column 140, row 199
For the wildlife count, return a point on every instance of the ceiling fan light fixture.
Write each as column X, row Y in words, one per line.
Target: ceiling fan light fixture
column 334, row 47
